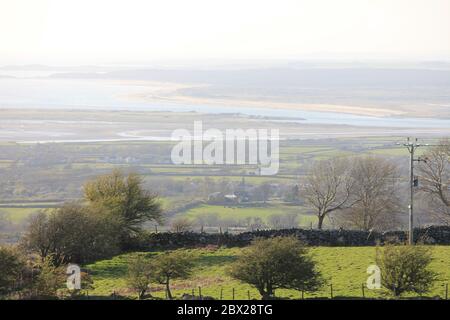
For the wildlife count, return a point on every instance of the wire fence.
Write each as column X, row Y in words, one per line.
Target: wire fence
column 331, row 291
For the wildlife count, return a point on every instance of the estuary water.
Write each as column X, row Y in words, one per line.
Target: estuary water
column 48, row 93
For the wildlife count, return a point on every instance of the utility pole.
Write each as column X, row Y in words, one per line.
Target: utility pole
column 412, row 145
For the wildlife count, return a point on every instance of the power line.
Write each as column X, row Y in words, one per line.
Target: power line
column 412, row 145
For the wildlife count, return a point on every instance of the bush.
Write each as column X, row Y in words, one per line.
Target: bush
column 281, row 262
column 71, row 234
column 12, row 266
column 48, row 281
column 171, row 265
column 405, row 269
column 138, row 276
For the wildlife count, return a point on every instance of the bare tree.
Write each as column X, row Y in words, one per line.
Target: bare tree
column 275, row 221
column 435, row 179
column 375, row 196
column 284, row 220
column 328, row 187
column 181, row 224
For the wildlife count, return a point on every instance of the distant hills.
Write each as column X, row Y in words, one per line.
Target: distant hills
column 275, row 77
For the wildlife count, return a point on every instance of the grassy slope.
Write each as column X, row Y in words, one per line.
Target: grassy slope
column 344, row 267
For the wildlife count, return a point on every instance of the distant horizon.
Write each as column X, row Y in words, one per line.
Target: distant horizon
column 102, row 32
column 213, row 63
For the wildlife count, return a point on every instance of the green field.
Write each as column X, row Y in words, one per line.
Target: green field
column 90, row 159
column 263, row 212
column 343, row 267
column 18, row 215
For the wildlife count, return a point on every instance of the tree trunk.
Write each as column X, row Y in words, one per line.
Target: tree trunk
column 267, row 293
column 169, row 294
column 397, row 293
column 320, row 223
column 264, row 295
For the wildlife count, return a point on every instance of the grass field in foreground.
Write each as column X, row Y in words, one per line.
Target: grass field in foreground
column 344, row 267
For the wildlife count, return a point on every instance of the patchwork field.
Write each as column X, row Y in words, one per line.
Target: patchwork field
column 264, row 212
column 37, row 175
column 343, row 267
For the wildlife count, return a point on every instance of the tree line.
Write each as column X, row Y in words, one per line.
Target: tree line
column 366, row 193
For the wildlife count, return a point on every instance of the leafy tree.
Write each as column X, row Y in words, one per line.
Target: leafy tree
column 281, row 262
column 117, row 208
column 12, row 265
column 71, row 233
column 126, row 199
column 37, row 237
column 405, row 269
column 171, row 265
column 138, row 276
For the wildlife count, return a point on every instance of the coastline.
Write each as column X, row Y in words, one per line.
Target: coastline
column 353, row 110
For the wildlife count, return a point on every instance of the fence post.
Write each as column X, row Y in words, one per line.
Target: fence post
column 200, row 292
column 303, row 294
column 233, row 293
column 446, row 291
column 363, row 292
column 248, row 294
column 331, row 290
column 221, row 293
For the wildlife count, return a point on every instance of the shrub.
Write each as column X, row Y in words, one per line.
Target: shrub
column 49, row 280
column 72, row 233
column 281, row 262
column 12, row 266
column 405, row 269
column 171, row 265
column 138, row 276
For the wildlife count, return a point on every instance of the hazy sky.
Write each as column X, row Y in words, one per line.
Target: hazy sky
column 135, row 31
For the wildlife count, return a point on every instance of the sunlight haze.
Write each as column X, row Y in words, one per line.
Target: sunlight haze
column 101, row 32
